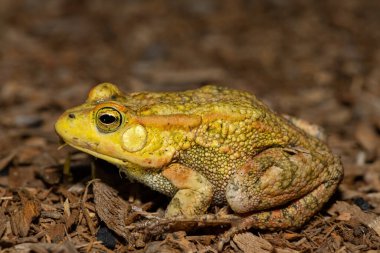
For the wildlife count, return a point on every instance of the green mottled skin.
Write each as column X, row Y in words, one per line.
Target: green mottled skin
column 211, row 146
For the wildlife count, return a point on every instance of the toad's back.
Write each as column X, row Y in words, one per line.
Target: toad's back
column 232, row 120
column 191, row 101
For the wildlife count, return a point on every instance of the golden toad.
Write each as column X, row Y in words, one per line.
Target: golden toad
column 209, row 146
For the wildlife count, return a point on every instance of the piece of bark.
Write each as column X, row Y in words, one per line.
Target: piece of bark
column 22, row 218
column 348, row 212
column 4, row 161
column 250, row 243
column 176, row 242
column 66, row 247
column 3, row 222
column 367, row 137
column 56, row 232
column 21, row 176
column 111, row 208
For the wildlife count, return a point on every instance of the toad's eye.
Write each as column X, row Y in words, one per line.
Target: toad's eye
column 108, row 119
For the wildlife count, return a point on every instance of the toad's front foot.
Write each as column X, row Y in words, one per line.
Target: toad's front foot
column 194, row 193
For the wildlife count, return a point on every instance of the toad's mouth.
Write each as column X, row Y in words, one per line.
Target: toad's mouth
column 96, row 154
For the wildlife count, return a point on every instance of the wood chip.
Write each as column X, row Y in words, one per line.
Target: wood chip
column 176, row 242
column 56, row 232
column 367, row 137
column 111, row 208
column 4, row 161
column 21, row 219
column 370, row 219
column 249, row 243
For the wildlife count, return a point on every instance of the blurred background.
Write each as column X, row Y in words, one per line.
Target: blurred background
column 318, row 60
column 273, row 45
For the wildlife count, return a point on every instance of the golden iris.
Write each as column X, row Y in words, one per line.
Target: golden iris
column 108, row 119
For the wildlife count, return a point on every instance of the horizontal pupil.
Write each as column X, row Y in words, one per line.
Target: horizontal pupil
column 107, row 119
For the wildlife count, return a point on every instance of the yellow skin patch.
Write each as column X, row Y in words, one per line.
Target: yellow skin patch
column 209, row 146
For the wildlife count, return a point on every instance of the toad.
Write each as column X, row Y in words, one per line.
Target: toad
column 209, row 146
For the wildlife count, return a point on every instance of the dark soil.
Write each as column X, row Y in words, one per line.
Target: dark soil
column 316, row 60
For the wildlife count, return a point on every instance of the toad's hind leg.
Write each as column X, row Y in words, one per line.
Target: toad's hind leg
column 291, row 216
column 294, row 180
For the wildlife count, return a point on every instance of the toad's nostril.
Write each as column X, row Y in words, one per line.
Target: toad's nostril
column 72, row 116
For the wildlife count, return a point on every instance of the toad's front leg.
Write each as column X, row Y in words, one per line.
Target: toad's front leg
column 194, row 193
